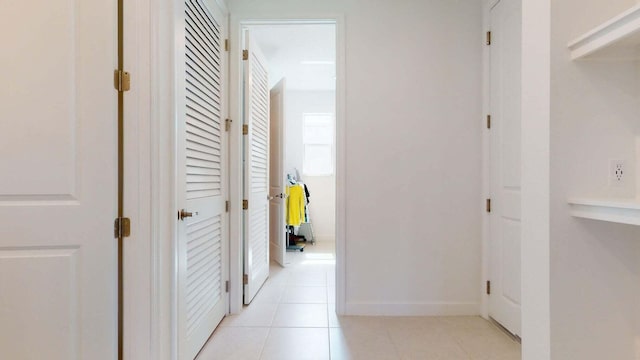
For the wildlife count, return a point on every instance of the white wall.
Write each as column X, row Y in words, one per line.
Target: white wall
column 595, row 266
column 413, row 147
column 322, row 188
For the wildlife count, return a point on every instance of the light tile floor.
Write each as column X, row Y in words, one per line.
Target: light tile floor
column 293, row 317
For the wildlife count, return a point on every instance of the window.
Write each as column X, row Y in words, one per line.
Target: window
column 318, row 144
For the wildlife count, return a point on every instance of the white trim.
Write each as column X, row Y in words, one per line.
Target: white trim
column 163, row 315
column 235, row 249
column 619, row 33
column 486, row 160
column 623, row 211
column 137, row 255
column 413, row 309
column 536, row 126
column 341, row 166
column 235, row 169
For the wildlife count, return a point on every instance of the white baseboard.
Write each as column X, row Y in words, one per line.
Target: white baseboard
column 413, row 309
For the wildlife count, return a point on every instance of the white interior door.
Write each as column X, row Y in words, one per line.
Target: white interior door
column 256, row 170
column 202, row 178
column 505, row 229
column 58, row 180
column 276, row 174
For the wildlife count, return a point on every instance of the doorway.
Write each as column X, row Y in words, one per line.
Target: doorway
column 302, row 90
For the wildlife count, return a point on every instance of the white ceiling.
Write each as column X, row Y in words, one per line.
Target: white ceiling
column 304, row 54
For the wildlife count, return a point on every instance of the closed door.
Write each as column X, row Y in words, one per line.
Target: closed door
column 58, row 180
column 202, row 242
column 276, row 175
column 505, row 229
column 256, row 170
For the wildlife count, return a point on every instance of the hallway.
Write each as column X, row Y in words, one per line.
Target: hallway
column 293, row 317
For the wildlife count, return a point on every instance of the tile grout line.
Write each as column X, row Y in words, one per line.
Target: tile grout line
column 393, row 343
column 454, row 338
column 264, row 344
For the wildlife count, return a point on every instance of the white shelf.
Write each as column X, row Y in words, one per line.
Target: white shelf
column 618, row 38
column 624, row 211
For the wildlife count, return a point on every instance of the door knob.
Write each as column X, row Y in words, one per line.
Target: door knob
column 185, row 214
column 281, row 196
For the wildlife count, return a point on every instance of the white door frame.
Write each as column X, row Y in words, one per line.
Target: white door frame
column 536, row 126
column 486, row 159
column 235, row 250
column 137, row 249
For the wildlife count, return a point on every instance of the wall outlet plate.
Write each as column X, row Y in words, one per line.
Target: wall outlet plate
column 617, row 173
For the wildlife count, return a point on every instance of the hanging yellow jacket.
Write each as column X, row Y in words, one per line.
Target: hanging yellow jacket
column 295, row 205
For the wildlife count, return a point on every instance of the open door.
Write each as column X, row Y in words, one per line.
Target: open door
column 276, row 176
column 202, row 153
column 256, row 169
column 505, row 225
column 58, row 188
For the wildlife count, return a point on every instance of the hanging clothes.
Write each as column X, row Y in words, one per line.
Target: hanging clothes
column 306, row 204
column 306, row 192
column 295, row 205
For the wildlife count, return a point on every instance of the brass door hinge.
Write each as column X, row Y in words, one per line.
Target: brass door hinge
column 122, row 228
column 227, row 206
column 488, row 37
column 226, row 286
column 121, row 80
column 488, row 121
column 226, row 44
column 488, row 287
column 245, row 279
column 488, row 205
column 245, row 204
column 227, row 124
column 245, row 129
column 245, row 55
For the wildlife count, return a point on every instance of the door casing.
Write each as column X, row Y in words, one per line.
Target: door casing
column 236, row 26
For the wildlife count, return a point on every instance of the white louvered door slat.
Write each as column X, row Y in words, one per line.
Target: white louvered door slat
column 256, row 173
column 202, row 239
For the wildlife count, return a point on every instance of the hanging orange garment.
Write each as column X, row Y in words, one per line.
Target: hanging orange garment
column 295, row 205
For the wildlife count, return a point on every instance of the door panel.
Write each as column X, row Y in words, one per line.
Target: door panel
column 256, row 172
column 276, row 174
column 58, row 189
column 505, row 229
column 202, row 165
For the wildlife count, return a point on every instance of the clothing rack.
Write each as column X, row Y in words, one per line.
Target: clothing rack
column 297, row 202
column 292, row 244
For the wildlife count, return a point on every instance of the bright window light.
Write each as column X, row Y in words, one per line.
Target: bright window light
column 318, row 144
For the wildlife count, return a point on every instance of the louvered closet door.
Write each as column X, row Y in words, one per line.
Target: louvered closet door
column 256, row 172
column 202, row 154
